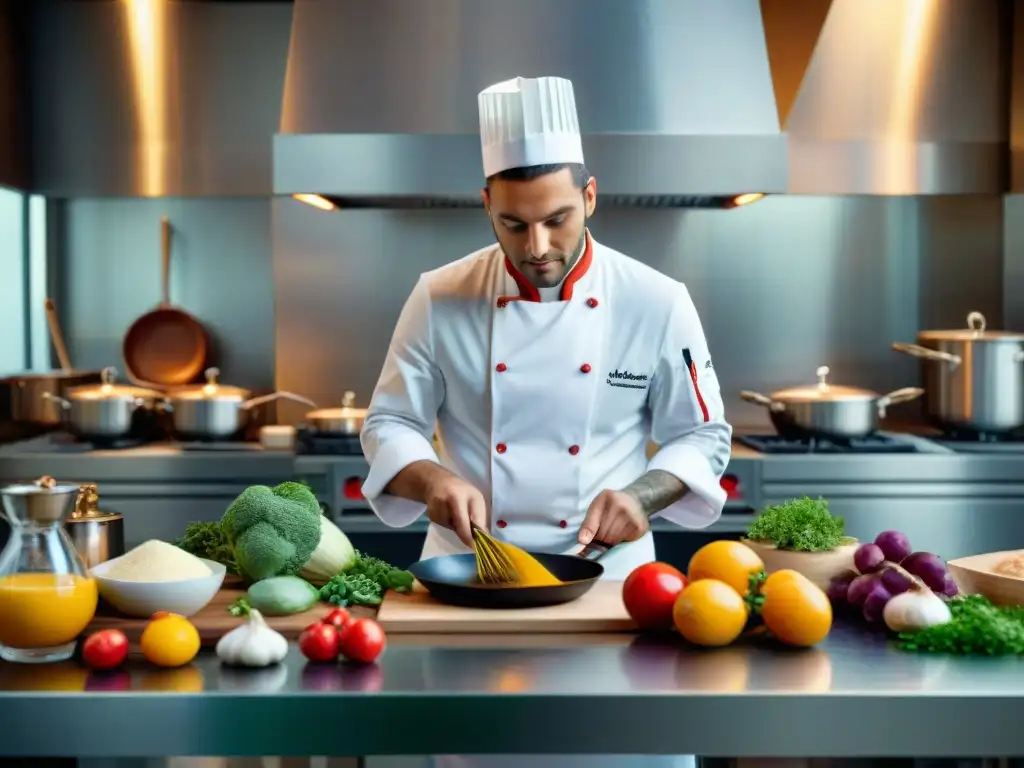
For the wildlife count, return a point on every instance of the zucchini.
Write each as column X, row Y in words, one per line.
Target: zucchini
column 282, row 596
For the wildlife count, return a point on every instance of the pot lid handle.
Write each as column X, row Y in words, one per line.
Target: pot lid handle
column 822, row 374
column 348, row 400
column 211, row 386
column 976, row 322
column 108, row 376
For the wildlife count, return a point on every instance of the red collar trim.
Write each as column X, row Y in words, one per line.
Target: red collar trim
column 528, row 291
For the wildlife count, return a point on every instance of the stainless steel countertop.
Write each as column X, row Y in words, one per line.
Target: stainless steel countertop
column 852, row 696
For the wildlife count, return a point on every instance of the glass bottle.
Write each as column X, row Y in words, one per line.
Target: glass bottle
column 47, row 597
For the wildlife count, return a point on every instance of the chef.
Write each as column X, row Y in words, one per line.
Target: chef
column 546, row 363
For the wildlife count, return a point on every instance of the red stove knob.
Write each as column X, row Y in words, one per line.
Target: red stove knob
column 731, row 485
column 353, row 488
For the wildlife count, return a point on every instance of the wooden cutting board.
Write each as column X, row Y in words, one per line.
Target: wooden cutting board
column 600, row 610
column 214, row 621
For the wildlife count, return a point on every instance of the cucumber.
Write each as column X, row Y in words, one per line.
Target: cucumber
column 282, row 596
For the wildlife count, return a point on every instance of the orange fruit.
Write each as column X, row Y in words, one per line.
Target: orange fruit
column 169, row 641
column 709, row 612
column 728, row 561
column 795, row 610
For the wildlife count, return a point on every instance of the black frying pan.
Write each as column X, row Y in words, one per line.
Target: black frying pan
column 453, row 579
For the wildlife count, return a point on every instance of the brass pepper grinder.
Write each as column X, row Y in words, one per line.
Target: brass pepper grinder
column 98, row 536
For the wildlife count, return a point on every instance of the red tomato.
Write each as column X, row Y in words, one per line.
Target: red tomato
column 319, row 642
column 339, row 617
column 105, row 649
column 650, row 592
column 363, row 641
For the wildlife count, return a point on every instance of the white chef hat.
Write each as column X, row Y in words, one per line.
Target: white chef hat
column 528, row 121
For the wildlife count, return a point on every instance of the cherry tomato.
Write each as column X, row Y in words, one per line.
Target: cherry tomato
column 339, row 617
column 319, row 642
column 362, row 641
column 650, row 593
column 105, row 649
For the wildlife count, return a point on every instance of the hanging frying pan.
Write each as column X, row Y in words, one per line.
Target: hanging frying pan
column 167, row 346
column 453, row 579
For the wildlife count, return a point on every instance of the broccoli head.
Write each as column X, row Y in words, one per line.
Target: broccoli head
column 273, row 531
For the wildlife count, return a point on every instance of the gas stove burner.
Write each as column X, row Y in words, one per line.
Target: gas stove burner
column 777, row 444
column 983, row 438
column 978, row 442
column 309, row 442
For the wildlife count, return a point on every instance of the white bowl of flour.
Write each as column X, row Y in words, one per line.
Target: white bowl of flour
column 157, row 576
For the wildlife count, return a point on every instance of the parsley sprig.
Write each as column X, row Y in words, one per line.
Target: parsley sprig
column 800, row 525
column 977, row 628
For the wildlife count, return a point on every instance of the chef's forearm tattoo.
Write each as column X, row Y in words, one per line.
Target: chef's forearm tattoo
column 656, row 490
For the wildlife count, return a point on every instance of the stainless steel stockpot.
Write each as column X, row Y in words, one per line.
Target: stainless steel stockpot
column 973, row 377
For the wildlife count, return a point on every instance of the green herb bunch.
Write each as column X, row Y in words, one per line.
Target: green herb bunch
column 207, row 540
column 977, row 627
column 365, row 582
column 383, row 573
column 351, row 589
column 800, row 525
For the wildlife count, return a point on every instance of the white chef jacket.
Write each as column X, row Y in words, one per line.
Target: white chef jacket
column 543, row 404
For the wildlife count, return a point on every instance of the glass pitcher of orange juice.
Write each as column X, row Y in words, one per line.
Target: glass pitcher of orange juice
column 47, row 597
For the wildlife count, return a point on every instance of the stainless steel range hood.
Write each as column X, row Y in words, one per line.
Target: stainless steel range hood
column 675, row 96
column 899, row 97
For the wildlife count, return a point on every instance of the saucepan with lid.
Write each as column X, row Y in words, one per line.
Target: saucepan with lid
column 974, row 377
column 828, row 410
column 213, row 411
column 347, row 420
column 107, row 411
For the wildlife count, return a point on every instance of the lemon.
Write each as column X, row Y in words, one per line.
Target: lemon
column 169, row 640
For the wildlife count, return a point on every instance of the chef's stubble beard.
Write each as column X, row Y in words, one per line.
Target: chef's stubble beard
column 570, row 261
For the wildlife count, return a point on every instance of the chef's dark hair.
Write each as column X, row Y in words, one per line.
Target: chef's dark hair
column 580, row 175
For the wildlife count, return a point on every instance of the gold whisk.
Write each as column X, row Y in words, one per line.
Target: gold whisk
column 499, row 562
column 493, row 565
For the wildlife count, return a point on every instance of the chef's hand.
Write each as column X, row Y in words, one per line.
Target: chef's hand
column 453, row 503
column 614, row 517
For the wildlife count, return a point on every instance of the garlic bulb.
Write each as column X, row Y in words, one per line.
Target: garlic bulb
column 253, row 644
column 916, row 609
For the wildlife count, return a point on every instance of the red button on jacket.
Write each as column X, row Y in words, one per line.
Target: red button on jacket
column 501, row 448
column 501, row 367
column 585, row 368
column 591, row 303
column 502, row 523
column 574, row 449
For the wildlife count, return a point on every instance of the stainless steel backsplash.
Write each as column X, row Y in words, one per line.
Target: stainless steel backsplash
column 783, row 286
column 105, row 271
